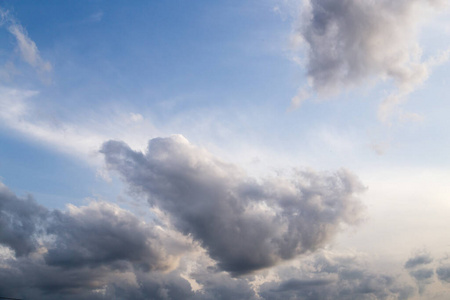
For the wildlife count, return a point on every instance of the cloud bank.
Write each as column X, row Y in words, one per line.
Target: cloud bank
column 101, row 251
column 232, row 223
column 73, row 251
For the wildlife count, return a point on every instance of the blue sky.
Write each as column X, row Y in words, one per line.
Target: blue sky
column 262, row 101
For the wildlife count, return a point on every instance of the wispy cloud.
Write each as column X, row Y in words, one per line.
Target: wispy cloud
column 101, row 251
column 83, row 139
column 27, row 48
column 97, row 17
column 72, row 251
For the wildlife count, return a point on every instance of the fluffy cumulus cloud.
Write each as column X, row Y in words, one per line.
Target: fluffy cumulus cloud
column 20, row 221
column 232, row 225
column 350, row 42
column 101, row 251
column 103, row 234
column 244, row 224
column 51, row 252
column 214, row 228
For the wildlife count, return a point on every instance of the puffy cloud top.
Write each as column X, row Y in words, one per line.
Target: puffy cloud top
column 351, row 41
column 244, row 224
column 103, row 234
column 20, row 221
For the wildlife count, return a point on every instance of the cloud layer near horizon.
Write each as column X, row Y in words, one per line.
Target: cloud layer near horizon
column 101, row 251
column 118, row 256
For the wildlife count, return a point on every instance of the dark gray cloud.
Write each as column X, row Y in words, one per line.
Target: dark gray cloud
column 243, row 223
column 302, row 284
column 35, row 280
column 30, row 279
column 104, row 234
column 422, row 275
column 21, row 220
column 335, row 277
column 80, row 254
column 73, row 254
column 98, row 252
column 418, row 260
column 97, row 234
column 443, row 273
column 158, row 286
column 219, row 285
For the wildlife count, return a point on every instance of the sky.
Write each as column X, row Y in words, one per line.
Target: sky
column 271, row 149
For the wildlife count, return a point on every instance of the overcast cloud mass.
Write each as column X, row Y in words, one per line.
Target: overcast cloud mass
column 101, row 251
column 149, row 152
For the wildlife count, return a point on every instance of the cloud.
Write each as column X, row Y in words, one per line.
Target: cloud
column 27, row 48
column 104, row 234
column 443, row 273
column 19, row 112
column 423, row 277
column 334, row 276
column 354, row 42
column 20, row 222
column 244, row 224
column 418, row 260
column 422, row 274
column 75, row 251
column 100, row 251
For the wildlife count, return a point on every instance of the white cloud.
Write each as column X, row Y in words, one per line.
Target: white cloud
column 351, row 43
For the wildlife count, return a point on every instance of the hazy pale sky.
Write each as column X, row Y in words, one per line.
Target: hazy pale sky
column 272, row 149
